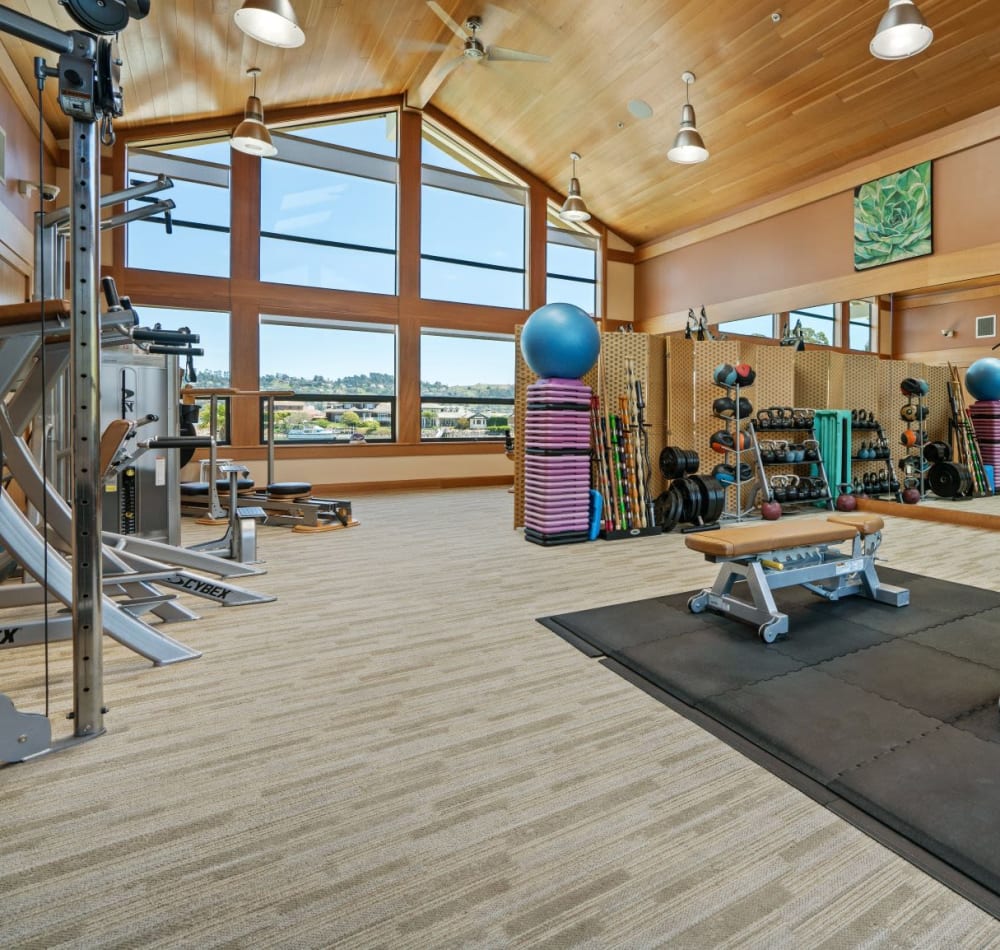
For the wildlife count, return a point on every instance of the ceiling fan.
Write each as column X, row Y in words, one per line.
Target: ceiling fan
column 473, row 49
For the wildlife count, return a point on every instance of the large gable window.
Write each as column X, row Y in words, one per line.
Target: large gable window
column 571, row 257
column 194, row 238
column 472, row 227
column 328, row 208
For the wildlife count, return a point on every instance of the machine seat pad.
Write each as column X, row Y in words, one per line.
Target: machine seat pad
column 771, row 536
column 194, row 488
column 242, row 484
column 289, row 488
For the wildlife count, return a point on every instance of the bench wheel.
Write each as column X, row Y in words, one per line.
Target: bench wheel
column 698, row 603
column 767, row 632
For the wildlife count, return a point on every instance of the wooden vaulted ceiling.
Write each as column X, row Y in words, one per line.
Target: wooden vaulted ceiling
column 778, row 103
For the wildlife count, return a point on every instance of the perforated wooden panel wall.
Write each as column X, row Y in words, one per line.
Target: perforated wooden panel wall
column 812, row 379
column 679, row 361
column 861, row 385
column 937, row 402
column 775, row 368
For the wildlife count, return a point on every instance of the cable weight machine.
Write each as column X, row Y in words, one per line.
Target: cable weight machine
column 90, row 94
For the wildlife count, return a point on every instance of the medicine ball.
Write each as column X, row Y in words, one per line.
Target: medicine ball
column 914, row 387
column 721, row 441
column 724, row 374
column 908, row 438
column 913, row 412
column 724, row 406
column 745, row 374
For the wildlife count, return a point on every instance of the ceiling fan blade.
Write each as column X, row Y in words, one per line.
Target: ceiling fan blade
column 447, row 20
column 514, row 55
column 449, row 67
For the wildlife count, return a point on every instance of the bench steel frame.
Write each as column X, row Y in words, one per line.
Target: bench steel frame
column 822, row 568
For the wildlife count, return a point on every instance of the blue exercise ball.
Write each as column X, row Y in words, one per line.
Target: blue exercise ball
column 560, row 341
column 982, row 379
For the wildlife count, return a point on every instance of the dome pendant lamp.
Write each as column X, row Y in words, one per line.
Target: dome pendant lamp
column 270, row 21
column 574, row 208
column 251, row 135
column 688, row 147
column 901, row 32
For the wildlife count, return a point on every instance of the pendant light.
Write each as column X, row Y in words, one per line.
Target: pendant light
column 688, row 148
column 901, row 32
column 574, row 208
column 251, row 135
column 270, row 21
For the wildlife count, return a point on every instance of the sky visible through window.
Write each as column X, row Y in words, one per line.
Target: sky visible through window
column 323, row 204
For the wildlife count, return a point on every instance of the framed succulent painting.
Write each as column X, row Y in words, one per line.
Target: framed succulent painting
column 892, row 217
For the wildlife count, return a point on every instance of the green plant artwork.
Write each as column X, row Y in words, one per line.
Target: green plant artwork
column 892, row 217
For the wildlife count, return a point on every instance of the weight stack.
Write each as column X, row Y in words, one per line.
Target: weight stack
column 985, row 416
column 557, row 462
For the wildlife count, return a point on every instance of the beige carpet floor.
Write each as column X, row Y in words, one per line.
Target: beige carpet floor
column 395, row 754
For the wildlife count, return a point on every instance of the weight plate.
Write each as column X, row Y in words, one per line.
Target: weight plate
column 99, row 16
column 690, row 496
column 692, row 461
column 937, row 452
column 713, row 497
column 949, row 479
column 673, row 462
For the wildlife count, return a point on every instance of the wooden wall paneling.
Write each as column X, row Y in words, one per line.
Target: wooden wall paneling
column 244, row 360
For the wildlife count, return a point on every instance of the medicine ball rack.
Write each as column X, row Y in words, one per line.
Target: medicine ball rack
column 912, row 465
column 734, row 409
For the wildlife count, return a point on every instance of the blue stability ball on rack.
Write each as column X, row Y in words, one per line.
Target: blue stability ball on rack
column 561, row 341
column 982, row 379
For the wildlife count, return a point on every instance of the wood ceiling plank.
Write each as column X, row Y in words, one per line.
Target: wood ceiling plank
column 777, row 103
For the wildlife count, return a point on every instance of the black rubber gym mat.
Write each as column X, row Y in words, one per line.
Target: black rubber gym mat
column 888, row 716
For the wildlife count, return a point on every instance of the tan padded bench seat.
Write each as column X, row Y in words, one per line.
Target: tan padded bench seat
column 773, row 536
column 865, row 522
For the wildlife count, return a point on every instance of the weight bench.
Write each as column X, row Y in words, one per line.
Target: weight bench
column 771, row 556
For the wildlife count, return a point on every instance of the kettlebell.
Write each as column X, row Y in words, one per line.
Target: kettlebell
column 810, row 450
column 767, row 452
column 764, row 420
column 779, row 488
column 792, row 492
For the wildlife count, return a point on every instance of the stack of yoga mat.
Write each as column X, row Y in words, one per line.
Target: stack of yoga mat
column 985, row 416
column 557, row 462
